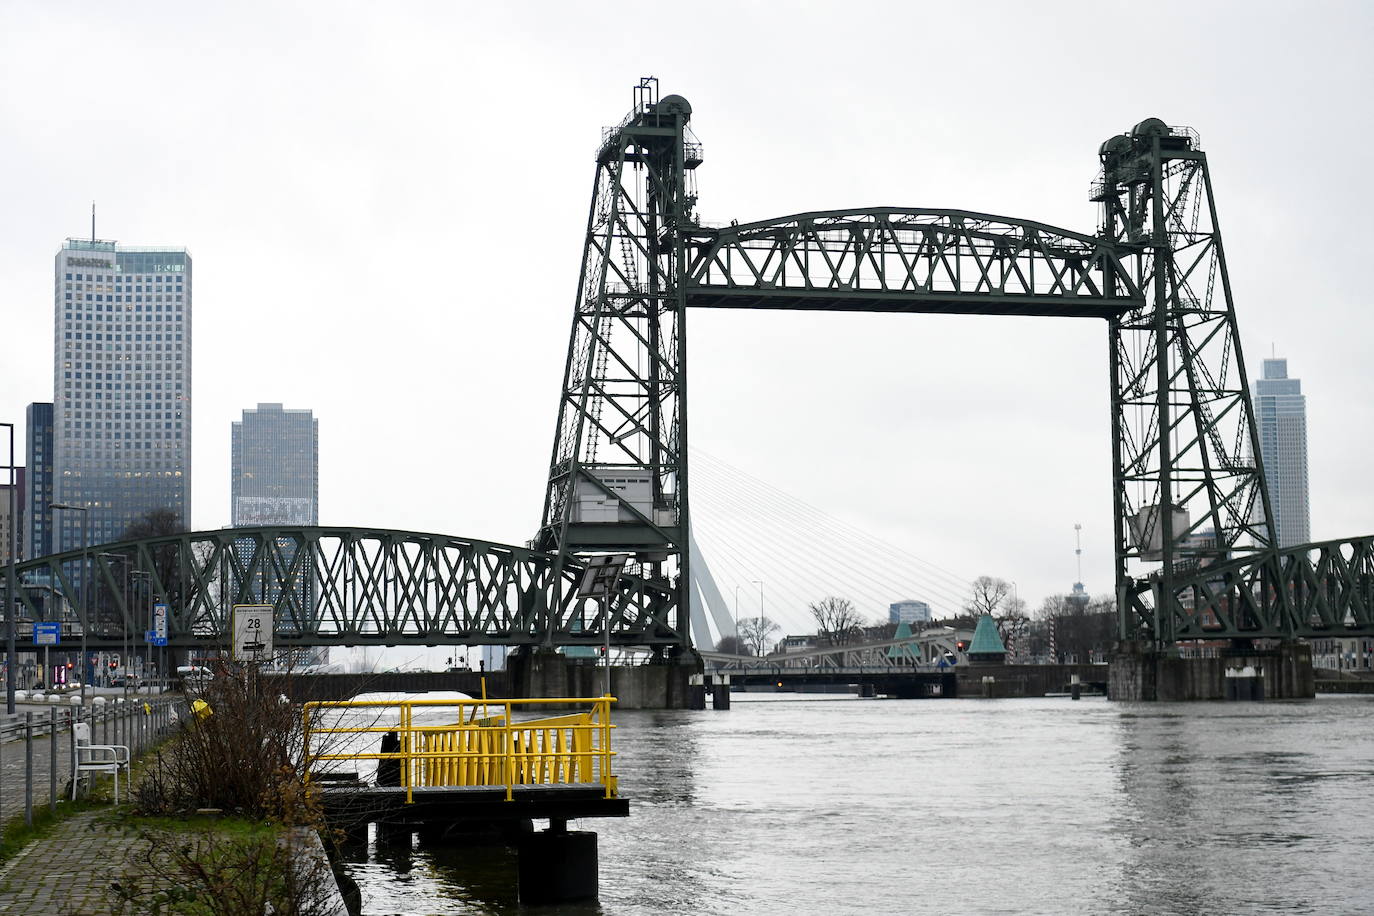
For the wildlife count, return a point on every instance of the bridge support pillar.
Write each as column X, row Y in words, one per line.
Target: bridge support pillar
column 557, row 866
column 1142, row 673
column 658, row 685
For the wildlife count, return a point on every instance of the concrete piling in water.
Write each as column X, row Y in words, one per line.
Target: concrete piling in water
column 1075, row 687
column 720, row 691
column 696, row 691
column 557, row 866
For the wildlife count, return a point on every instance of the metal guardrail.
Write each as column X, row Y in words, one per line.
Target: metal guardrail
column 483, row 744
column 135, row 725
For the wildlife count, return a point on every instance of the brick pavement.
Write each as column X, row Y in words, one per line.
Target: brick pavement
column 12, row 757
column 68, row 872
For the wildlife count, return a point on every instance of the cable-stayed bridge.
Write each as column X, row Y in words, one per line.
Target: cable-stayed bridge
column 758, row 551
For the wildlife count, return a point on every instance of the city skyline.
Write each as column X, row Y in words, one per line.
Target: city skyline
column 347, row 260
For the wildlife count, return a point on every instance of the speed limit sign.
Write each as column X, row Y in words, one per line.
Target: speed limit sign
column 252, row 632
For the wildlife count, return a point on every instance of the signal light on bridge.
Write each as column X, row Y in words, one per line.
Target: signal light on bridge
column 961, row 645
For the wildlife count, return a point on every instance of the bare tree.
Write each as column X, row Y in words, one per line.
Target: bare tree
column 1077, row 630
column 987, row 596
column 731, row 645
column 836, row 619
column 154, row 523
column 755, row 633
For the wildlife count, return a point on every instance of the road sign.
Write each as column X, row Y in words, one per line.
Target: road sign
column 151, row 637
column 253, row 624
column 160, row 622
column 600, row 576
column 47, row 634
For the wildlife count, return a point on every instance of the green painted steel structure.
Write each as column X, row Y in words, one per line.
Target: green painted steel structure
column 1194, row 539
column 336, row 586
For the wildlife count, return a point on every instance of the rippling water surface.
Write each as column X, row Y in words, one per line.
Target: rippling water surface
column 839, row 805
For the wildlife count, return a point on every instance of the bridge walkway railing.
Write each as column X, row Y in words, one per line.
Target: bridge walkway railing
column 451, row 743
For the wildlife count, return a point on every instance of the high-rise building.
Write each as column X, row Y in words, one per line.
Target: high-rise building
column 275, row 467
column 122, row 386
column 909, row 611
column 1281, row 412
column 38, row 523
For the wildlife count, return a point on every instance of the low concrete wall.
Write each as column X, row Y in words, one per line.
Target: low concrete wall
column 1029, row 680
column 531, row 676
column 304, row 687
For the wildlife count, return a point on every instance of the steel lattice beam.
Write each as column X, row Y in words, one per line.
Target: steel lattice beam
column 894, row 259
column 338, row 586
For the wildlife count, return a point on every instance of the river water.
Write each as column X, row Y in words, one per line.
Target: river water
column 835, row 805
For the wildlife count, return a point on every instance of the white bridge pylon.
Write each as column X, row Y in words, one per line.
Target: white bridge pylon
column 706, row 596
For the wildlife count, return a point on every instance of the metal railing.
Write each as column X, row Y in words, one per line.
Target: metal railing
column 480, row 744
column 138, row 726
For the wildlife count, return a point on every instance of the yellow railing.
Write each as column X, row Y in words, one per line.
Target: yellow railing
column 477, row 743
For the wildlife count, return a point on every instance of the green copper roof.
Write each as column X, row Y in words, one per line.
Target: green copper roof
column 909, row 650
column 985, row 638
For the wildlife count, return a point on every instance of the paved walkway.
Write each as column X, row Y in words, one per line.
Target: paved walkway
column 69, row 871
column 12, row 755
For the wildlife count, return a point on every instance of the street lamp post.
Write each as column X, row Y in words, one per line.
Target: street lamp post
column 127, row 660
column 85, row 585
column 147, row 578
column 11, row 587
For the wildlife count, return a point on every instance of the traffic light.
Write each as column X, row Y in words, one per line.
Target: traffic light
column 962, row 645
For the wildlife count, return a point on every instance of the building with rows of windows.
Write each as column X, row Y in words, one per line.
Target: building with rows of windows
column 275, row 467
column 1281, row 413
column 121, row 421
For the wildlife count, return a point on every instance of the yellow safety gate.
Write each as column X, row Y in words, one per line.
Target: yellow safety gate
column 476, row 743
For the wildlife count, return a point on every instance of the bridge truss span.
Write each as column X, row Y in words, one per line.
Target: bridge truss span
column 903, row 259
column 1323, row 590
column 336, row 586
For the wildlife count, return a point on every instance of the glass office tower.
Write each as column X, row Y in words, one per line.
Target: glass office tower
column 275, row 463
column 122, row 386
column 1281, row 412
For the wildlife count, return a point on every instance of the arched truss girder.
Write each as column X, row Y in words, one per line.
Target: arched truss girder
column 336, row 586
column 1322, row 590
column 902, row 259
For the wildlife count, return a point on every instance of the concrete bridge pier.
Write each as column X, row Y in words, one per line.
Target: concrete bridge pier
column 557, row 865
column 659, row 684
column 1141, row 672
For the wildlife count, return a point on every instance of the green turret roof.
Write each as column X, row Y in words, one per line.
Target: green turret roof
column 909, row 650
column 985, row 638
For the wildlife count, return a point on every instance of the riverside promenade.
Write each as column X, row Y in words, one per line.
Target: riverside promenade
column 66, row 872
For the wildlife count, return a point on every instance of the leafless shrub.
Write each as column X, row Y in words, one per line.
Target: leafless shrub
column 215, row 871
column 242, row 752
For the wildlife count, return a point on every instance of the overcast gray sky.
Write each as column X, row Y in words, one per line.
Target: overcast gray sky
column 385, row 203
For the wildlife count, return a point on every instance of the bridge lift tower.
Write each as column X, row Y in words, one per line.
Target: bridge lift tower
column 618, row 473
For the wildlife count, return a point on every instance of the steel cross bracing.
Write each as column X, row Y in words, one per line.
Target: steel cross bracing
column 618, row 453
column 1189, row 492
column 921, row 650
column 893, row 259
column 335, row 586
column 1184, row 439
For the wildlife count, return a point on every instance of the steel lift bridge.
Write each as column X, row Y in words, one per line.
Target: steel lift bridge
column 1193, row 527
